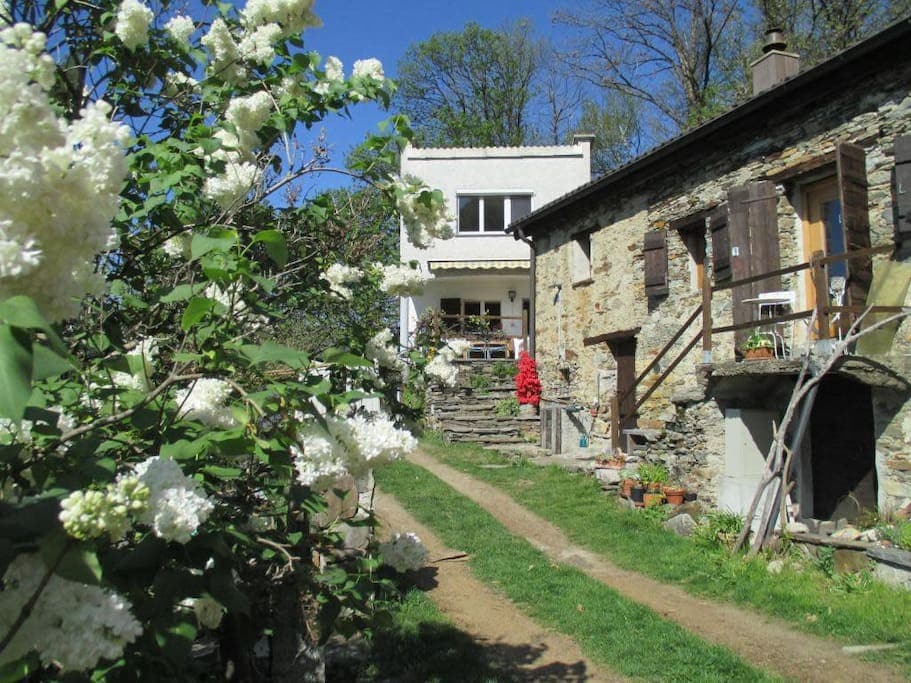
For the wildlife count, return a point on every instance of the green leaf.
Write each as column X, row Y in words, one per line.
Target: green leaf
column 270, row 352
column 78, row 562
column 275, row 245
column 346, row 358
column 196, row 311
column 47, row 363
column 180, row 293
column 21, row 311
column 216, row 240
column 222, row 472
column 15, row 372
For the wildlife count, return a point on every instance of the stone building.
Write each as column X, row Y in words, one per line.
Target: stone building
column 818, row 161
column 482, row 273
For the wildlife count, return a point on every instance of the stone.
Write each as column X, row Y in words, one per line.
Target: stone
column 341, row 502
column 694, row 509
column 848, row 533
column 841, row 523
column 850, row 561
column 827, row 528
column 607, row 475
column 775, row 566
column 682, row 525
column 797, row 528
column 812, row 525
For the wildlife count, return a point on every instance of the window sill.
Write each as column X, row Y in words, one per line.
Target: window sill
column 582, row 283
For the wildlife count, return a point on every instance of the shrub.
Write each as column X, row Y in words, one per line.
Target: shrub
column 719, row 528
column 528, row 386
column 508, row 407
column 504, row 369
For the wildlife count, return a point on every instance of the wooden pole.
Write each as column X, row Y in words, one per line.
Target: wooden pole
column 706, row 317
column 821, row 285
column 615, row 421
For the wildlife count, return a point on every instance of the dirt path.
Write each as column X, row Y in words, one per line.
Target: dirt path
column 762, row 641
column 511, row 641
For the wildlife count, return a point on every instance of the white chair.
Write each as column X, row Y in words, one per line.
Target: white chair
column 837, row 285
column 771, row 304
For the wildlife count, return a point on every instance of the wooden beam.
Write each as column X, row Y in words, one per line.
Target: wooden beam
column 610, row 336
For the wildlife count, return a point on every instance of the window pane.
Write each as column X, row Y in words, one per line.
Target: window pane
column 835, row 236
column 492, row 309
column 451, row 306
column 493, row 214
column 521, row 207
column 472, row 308
column 469, row 214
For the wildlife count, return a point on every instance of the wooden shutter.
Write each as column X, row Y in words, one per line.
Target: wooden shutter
column 721, row 244
column 903, row 187
column 655, row 254
column 855, row 216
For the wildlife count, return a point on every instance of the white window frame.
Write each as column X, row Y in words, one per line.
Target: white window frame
column 507, row 197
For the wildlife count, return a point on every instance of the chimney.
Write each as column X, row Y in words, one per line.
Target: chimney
column 775, row 65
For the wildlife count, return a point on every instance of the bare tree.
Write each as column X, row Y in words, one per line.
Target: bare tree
column 665, row 53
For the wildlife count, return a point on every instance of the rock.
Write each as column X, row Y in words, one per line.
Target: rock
column 848, row 533
column 870, row 535
column 694, row 509
column 341, row 502
column 841, row 523
column 850, row 561
column 607, row 475
column 797, row 528
column 682, row 525
column 775, row 566
column 827, row 528
column 812, row 525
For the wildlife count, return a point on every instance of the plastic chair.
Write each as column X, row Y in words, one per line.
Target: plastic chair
column 769, row 304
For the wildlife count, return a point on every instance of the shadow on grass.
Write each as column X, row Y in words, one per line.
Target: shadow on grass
column 442, row 653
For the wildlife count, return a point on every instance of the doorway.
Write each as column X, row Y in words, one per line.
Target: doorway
column 842, row 446
column 624, row 352
column 824, row 231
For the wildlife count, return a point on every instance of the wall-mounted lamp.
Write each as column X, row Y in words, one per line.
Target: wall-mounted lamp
column 512, row 295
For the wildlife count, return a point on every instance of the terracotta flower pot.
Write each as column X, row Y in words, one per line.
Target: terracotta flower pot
column 627, row 487
column 674, row 494
column 759, row 353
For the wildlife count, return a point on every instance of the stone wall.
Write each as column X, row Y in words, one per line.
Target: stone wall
column 872, row 114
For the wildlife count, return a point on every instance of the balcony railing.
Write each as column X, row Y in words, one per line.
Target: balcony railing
column 823, row 311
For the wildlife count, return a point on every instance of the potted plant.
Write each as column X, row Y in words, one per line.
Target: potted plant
column 653, row 477
column 674, row 494
column 759, row 345
column 528, row 386
column 628, row 479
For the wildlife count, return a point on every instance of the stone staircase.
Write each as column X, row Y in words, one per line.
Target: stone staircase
column 468, row 412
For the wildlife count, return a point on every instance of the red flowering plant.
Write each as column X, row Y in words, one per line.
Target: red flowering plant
column 528, row 386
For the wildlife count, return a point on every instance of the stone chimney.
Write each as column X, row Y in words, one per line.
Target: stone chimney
column 775, row 65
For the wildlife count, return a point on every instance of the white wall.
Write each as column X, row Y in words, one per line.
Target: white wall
column 546, row 173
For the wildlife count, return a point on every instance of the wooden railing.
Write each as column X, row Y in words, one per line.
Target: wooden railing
column 481, row 327
column 823, row 310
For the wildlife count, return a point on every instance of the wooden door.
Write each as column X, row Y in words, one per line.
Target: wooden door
column 624, row 352
column 823, row 232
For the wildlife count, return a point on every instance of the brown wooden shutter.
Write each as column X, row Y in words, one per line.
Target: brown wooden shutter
column 655, row 253
column 852, row 191
column 903, row 187
column 721, row 244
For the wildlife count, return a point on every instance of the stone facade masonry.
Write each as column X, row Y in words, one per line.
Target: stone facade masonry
column 686, row 409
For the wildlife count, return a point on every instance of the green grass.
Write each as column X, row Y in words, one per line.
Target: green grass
column 575, row 503
column 625, row 636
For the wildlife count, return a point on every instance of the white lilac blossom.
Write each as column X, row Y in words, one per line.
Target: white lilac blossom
column 177, row 84
column 334, row 73
column 90, row 514
column 177, row 247
column 440, row 368
column 181, row 28
column 378, row 441
column 50, row 233
column 208, row 611
column 292, row 15
column 401, row 280
column 423, row 212
column 338, row 446
column 404, row 552
column 224, row 54
column 71, row 624
column 247, row 115
column 232, row 185
column 176, row 506
column 338, row 276
column 133, row 19
column 381, row 349
column 457, row 347
column 15, row 431
column 205, row 401
column 371, row 69
column 259, row 46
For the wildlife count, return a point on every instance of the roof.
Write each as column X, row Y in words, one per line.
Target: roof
column 879, row 52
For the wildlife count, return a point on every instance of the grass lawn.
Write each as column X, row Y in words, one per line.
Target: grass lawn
column 625, row 636
column 858, row 614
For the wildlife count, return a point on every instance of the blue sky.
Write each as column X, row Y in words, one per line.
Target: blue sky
column 358, row 29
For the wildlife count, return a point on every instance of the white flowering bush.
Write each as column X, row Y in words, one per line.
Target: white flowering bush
column 404, row 552
column 160, row 452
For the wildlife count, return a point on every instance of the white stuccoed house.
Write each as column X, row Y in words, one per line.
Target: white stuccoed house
column 481, row 286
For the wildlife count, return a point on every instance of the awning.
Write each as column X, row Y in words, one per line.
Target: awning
column 500, row 265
